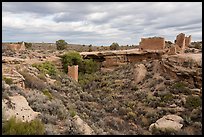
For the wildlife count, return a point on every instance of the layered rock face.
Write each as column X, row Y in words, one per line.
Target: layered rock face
column 185, row 67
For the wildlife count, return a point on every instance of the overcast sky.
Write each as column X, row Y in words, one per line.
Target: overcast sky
column 99, row 23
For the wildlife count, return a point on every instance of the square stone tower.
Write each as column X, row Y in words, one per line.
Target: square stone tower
column 73, row 72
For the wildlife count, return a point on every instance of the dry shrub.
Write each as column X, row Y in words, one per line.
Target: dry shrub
column 33, row 82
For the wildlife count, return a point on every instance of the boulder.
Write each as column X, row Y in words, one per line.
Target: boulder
column 171, row 122
column 18, row 107
column 140, row 72
column 83, row 127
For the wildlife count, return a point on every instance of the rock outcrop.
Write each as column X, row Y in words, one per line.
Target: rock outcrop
column 140, row 73
column 168, row 122
column 18, row 107
column 185, row 67
column 83, row 127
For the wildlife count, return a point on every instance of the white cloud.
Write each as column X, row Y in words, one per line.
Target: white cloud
column 97, row 16
column 100, row 23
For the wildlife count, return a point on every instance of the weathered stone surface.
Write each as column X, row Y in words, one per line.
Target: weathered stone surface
column 196, row 91
column 12, row 60
column 73, row 72
column 18, row 107
column 13, row 47
column 140, row 72
column 187, row 41
column 181, row 66
column 168, row 122
column 83, row 127
column 172, row 50
column 16, row 77
column 121, row 57
column 155, row 43
column 180, row 40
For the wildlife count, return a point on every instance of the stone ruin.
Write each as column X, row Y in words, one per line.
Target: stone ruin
column 181, row 43
column 149, row 48
column 187, row 41
column 158, row 43
column 153, row 43
column 13, row 46
column 73, row 72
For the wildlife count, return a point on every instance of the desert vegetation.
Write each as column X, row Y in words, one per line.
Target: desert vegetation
column 104, row 101
column 61, row 44
column 16, row 127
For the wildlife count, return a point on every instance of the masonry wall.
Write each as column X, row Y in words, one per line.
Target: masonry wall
column 155, row 43
column 187, row 41
column 180, row 41
column 73, row 72
column 172, row 50
column 13, row 47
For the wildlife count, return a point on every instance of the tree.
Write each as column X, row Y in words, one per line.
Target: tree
column 90, row 48
column 71, row 58
column 89, row 66
column 61, row 44
column 114, row 46
column 28, row 45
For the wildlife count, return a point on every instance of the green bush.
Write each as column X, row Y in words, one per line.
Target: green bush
column 88, row 66
column 90, row 48
column 28, row 45
column 72, row 113
column 16, row 127
column 61, row 44
column 74, row 58
column 87, row 78
column 42, row 77
column 69, row 59
column 8, row 80
column 47, row 93
column 167, row 97
column 114, row 46
column 46, row 68
column 135, row 88
column 131, row 115
column 158, row 131
column 180, row 87
column 193, row 102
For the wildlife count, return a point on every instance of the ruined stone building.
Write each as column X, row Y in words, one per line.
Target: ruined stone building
column 187, row 41
column 153, row 43
column 181, row 43
column 73, row 72
column 13, row 46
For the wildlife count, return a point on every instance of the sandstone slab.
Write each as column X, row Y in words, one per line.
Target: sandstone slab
column 172, row 122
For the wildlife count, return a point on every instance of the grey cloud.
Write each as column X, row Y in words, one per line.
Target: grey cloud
column 69, row 17
column 26, row 7
column 132, row 20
